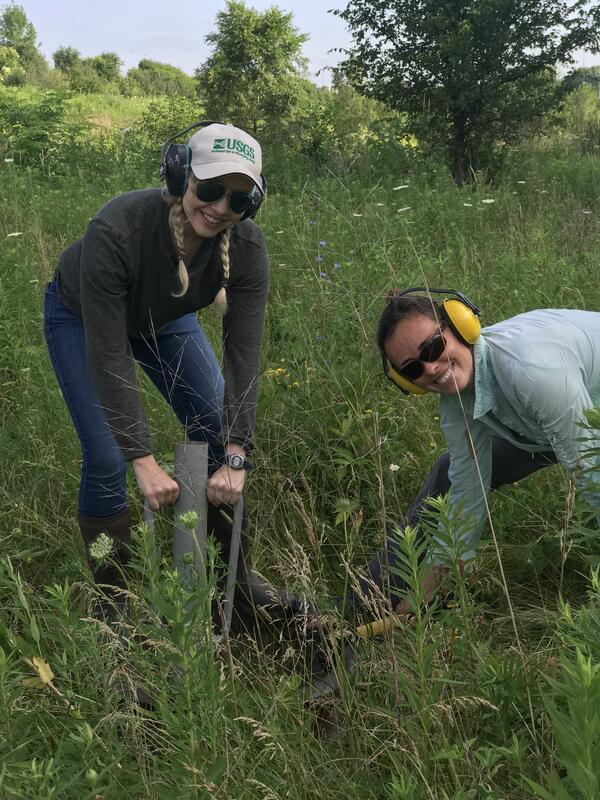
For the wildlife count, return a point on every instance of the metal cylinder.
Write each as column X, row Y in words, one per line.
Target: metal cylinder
column 191, row 473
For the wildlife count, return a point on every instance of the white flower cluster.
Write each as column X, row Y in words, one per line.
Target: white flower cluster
column 101, row 548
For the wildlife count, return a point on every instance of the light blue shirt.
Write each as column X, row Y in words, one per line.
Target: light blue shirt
column 535, row 375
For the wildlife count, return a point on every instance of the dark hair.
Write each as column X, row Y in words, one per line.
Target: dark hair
column 401, row 306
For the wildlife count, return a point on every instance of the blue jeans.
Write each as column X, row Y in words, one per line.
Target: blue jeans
column 182, row 365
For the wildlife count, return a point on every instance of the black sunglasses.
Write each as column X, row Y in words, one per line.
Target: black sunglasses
column 211, row 191
column 431, row 349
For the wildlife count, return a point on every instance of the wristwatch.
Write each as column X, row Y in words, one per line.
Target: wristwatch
column 236, row 461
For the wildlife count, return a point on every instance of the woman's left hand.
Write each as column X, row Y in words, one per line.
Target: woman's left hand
column 225, row 486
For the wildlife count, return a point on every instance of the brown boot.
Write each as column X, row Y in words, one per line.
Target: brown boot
column 117, row 528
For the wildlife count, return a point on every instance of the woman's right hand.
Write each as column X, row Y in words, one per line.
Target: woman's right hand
column 158, row 488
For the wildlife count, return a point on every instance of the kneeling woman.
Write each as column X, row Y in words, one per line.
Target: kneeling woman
column 127, row 291
column 513, row 398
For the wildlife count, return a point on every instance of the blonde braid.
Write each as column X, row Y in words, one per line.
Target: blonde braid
column 178, row 220
column 220, row 300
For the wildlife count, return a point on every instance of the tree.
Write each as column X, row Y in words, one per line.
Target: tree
column 154, row 78
column 107, row 65
column 18, row 32
column 66, row 59
column 11, row 72
column 469, row 75
column 254, row 73
column 584, row 76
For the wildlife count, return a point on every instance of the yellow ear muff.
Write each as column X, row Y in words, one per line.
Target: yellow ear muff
column 403, row 383
column 463, row 320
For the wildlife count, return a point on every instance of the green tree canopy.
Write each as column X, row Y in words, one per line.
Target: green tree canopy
column 255, row 71
column 584, row 76
column 469, row 74
column 154, row 78
column 18, row 32
column 11, row 72
column 107, row 65
column 66, row 59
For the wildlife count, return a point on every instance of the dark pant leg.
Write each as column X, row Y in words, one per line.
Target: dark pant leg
column 102, row 491
column 509, row 464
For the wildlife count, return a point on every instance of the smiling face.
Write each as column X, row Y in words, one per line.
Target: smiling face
column 451, row 373
column 209, row 219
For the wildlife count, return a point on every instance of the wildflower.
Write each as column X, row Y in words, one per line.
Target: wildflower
column 396, row 188
column 322, row 274
column 394, row 467
column 400, row 210
column 189, row 519
column 16, row 233
column 278, row 231
column 101, row 548
column 488, row 200
column 337, row 265
column 468, row 205
column 318, row 258
column 322, row 243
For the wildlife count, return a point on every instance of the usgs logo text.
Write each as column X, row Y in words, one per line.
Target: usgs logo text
column 234, row 146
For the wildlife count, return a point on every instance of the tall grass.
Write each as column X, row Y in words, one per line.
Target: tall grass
column 441, row 708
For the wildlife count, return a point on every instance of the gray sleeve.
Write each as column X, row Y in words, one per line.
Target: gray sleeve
column 242, row 337
column 104, row 281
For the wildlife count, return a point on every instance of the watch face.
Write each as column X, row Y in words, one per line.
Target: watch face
column 236, row 461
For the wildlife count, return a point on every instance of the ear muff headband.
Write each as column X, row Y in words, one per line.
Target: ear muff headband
column 175, row 168
column 461, row 315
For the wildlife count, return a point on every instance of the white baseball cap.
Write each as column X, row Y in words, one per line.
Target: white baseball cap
column 223, row 150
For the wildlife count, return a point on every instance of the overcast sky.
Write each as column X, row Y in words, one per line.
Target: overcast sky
column 173, row 32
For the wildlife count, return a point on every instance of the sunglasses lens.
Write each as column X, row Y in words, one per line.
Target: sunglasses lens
column 433, row 348
column 210, row 191
column 412, row 370
column 239, row 201
column 431, row 351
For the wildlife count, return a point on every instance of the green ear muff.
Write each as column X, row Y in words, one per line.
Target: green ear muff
column 462, row 319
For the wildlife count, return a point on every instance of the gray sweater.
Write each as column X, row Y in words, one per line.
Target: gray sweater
column 120, row 277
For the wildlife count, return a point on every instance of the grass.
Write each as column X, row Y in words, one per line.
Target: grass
column 446, row 709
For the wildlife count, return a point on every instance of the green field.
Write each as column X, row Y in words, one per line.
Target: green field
column 454, row 708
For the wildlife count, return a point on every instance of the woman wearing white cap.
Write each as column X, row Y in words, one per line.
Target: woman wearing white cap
column 127, row 291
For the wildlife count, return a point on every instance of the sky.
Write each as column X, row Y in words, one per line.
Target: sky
column 171, row 32
column 174, row 32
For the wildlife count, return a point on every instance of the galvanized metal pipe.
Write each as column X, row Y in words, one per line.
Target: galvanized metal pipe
column 191, row 473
